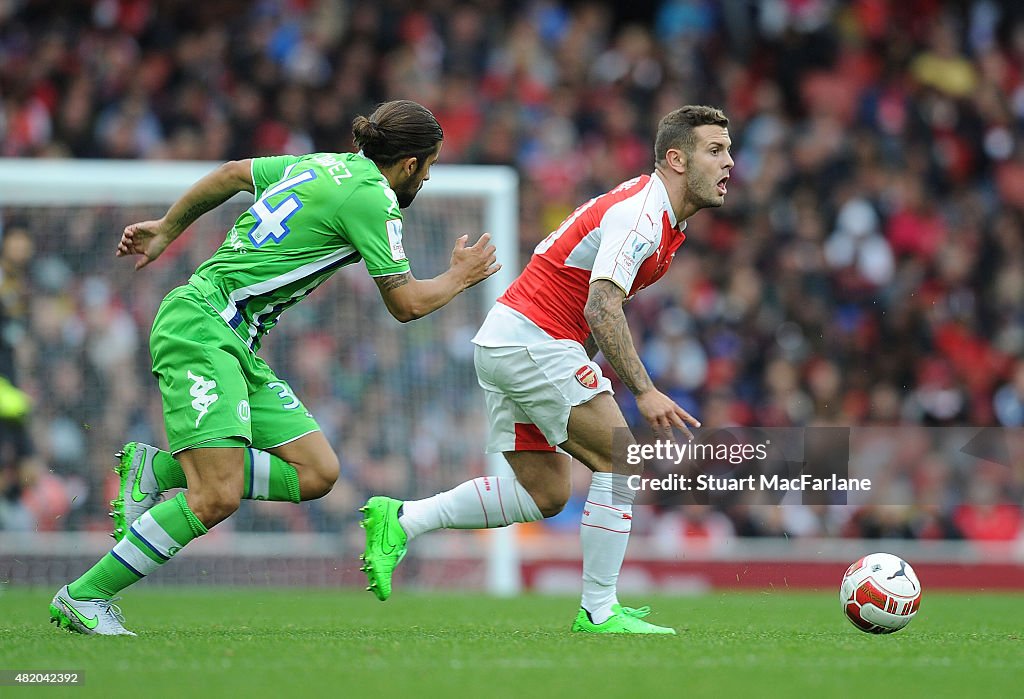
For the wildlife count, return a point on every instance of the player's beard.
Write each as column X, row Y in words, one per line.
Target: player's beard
column 407, row 192
column 405, row 197
column 409, row 189
column 703, row 191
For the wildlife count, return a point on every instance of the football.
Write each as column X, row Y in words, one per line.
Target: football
column 880, row 593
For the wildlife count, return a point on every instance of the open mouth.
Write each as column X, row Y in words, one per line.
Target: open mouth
column 722, row 185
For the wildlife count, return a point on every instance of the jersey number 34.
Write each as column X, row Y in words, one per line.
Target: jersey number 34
column 272, row 219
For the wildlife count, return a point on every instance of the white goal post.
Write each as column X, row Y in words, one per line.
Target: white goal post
column 43, row 183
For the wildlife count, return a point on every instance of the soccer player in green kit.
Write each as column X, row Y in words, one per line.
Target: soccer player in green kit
column 234, row 428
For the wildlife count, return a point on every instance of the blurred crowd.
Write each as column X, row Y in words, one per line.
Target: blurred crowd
column 867, row 268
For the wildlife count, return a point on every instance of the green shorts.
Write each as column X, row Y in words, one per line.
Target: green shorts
column 212, row 385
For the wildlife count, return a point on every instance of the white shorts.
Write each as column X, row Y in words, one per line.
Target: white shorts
column 531, row 381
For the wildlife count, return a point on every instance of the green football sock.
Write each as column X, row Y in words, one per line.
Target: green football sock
column 151, row 541
column 168, row 471
column 267, row 477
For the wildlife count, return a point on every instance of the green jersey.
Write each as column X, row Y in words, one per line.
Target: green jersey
column 313, row 214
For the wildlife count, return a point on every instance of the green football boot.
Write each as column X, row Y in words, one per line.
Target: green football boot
column 622, row 620
column 385, row 543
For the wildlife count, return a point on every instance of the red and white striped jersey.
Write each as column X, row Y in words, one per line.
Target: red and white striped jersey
column 628, row 236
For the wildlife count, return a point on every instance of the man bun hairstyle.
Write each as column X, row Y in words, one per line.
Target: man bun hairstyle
column 675, row 130
column 397, row 130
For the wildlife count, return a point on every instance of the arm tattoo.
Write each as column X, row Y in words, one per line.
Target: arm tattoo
column 188, row 217
column 392, row 281
column 590, row 345
column 611, row 333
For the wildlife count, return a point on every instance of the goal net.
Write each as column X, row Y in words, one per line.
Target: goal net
column 399, row 403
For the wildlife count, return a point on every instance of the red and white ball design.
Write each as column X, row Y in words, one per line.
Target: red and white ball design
column 880, row 593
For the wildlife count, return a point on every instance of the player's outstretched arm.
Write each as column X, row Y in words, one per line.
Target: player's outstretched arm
column 408, row 298
column 150, row 238
column 609, row 329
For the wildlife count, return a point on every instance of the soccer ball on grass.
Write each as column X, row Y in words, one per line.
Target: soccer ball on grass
column 880, row 593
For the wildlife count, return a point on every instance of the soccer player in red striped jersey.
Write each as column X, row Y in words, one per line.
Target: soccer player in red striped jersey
column 546, row 398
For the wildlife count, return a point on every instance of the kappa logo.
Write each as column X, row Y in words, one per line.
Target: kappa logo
column 202, row 399
column 235, row 241
column 587, row 376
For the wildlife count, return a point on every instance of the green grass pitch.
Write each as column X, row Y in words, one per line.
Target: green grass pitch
column 210, row 642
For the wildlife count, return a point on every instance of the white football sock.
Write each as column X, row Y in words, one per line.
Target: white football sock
column 482, row 503
column 604, row 533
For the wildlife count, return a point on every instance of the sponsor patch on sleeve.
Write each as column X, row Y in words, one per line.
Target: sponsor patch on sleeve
column 634, row 251
column 394, row 227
